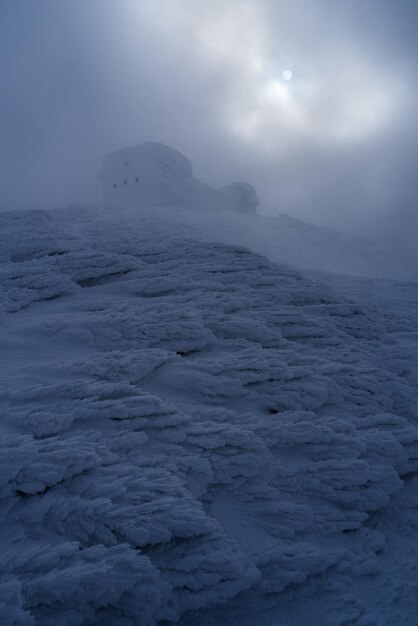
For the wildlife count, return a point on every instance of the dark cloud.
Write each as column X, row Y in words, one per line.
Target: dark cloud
column 335, row 145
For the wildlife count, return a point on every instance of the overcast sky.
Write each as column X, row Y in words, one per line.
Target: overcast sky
column 337, row 144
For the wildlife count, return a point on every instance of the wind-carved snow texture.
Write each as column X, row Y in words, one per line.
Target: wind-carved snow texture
column 193, row 434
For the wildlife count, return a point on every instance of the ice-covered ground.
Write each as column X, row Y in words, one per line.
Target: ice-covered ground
column 282, row 239
column 192, row 433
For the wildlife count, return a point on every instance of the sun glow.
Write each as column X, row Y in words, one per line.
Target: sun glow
column 342, row 99
column 277, row 90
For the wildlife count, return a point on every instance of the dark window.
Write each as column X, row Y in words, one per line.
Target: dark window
column 126, row 163
column 115, row 185
column 125, row 182
column 136, row 179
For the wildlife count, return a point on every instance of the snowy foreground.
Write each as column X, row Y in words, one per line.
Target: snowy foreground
column 194, row 434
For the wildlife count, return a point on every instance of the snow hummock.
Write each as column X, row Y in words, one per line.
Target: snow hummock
column 194, row 434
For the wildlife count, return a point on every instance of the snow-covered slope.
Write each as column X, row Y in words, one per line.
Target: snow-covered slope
column 194, row 434
column 155, row 183
column 282, row 239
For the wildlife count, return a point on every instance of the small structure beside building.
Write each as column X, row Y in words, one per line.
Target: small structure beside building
column 152, row 174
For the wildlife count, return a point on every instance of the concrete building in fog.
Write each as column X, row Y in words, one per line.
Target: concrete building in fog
column 152, row 174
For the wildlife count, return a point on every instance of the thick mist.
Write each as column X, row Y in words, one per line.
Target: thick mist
column 336, row 145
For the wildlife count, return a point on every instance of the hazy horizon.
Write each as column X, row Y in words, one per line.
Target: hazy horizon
column 335, row 145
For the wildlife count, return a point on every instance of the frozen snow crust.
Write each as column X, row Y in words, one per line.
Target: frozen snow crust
column 193, row 434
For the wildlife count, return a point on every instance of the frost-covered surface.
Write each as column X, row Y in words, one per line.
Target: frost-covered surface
column 193, row 434
column 282, row 239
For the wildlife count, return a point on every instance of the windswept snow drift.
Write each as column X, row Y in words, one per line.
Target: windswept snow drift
column 282, row 239
column 191, row 433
